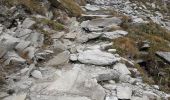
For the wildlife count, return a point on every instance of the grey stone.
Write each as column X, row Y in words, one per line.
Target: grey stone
column 114, row 34
column 124, row 92
column 86, row 37
column 97, row 57
column 122, row 69
column 164, row 55
column 36, row 74
column 60, row 59
column 13, row 58
column 100, row 23
column 22, row 45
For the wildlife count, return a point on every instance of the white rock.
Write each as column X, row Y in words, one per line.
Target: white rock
column 124, row 92
column 92, row 7
column 112, row 50
column 114, row 34
column 122, row 69
column 36, row 74
column 73, row 57
column 97, row 57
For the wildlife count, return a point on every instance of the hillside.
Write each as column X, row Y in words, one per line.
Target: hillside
column 84, row 50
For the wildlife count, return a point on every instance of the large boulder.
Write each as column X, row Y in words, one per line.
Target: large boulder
column 100, row 24
column 97, row 57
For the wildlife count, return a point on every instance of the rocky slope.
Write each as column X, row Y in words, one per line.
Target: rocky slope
column 47, row 54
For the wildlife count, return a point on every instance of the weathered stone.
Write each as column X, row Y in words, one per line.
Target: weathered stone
column 122, row 69
column 85, row 37
column 151, row 95
column 13, row 58
column 36, row 74
column 16, row 97
column 114, row 34
column 108, row 75
column 73, row 57
column 92, row 7
column 28, row 23
column 100, row 23
column 97, row 57
column 124, row 92
column 60, row 59
column 22, row 45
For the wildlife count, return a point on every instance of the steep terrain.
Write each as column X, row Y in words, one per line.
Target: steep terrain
column 84, row 50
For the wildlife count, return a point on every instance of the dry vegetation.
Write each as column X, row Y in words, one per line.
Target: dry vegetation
column 70, row 6
column 159, row 39
column 35, row 6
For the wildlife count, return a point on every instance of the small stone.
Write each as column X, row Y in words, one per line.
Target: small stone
column 112, row 50
column 73, row 57
column 36, row 74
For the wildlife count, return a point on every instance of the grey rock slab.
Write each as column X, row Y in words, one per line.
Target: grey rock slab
column 114, row 34
column 27, row 23
column 59, row 59
column 22, row 33
column 73, row 81
column 124, row 92
column 8, row 41
column 22, row 45
column 71, row 35
column 122, row 69
column 97, row 57
column 100, row 23
column 88, row 36
column 164, row 55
